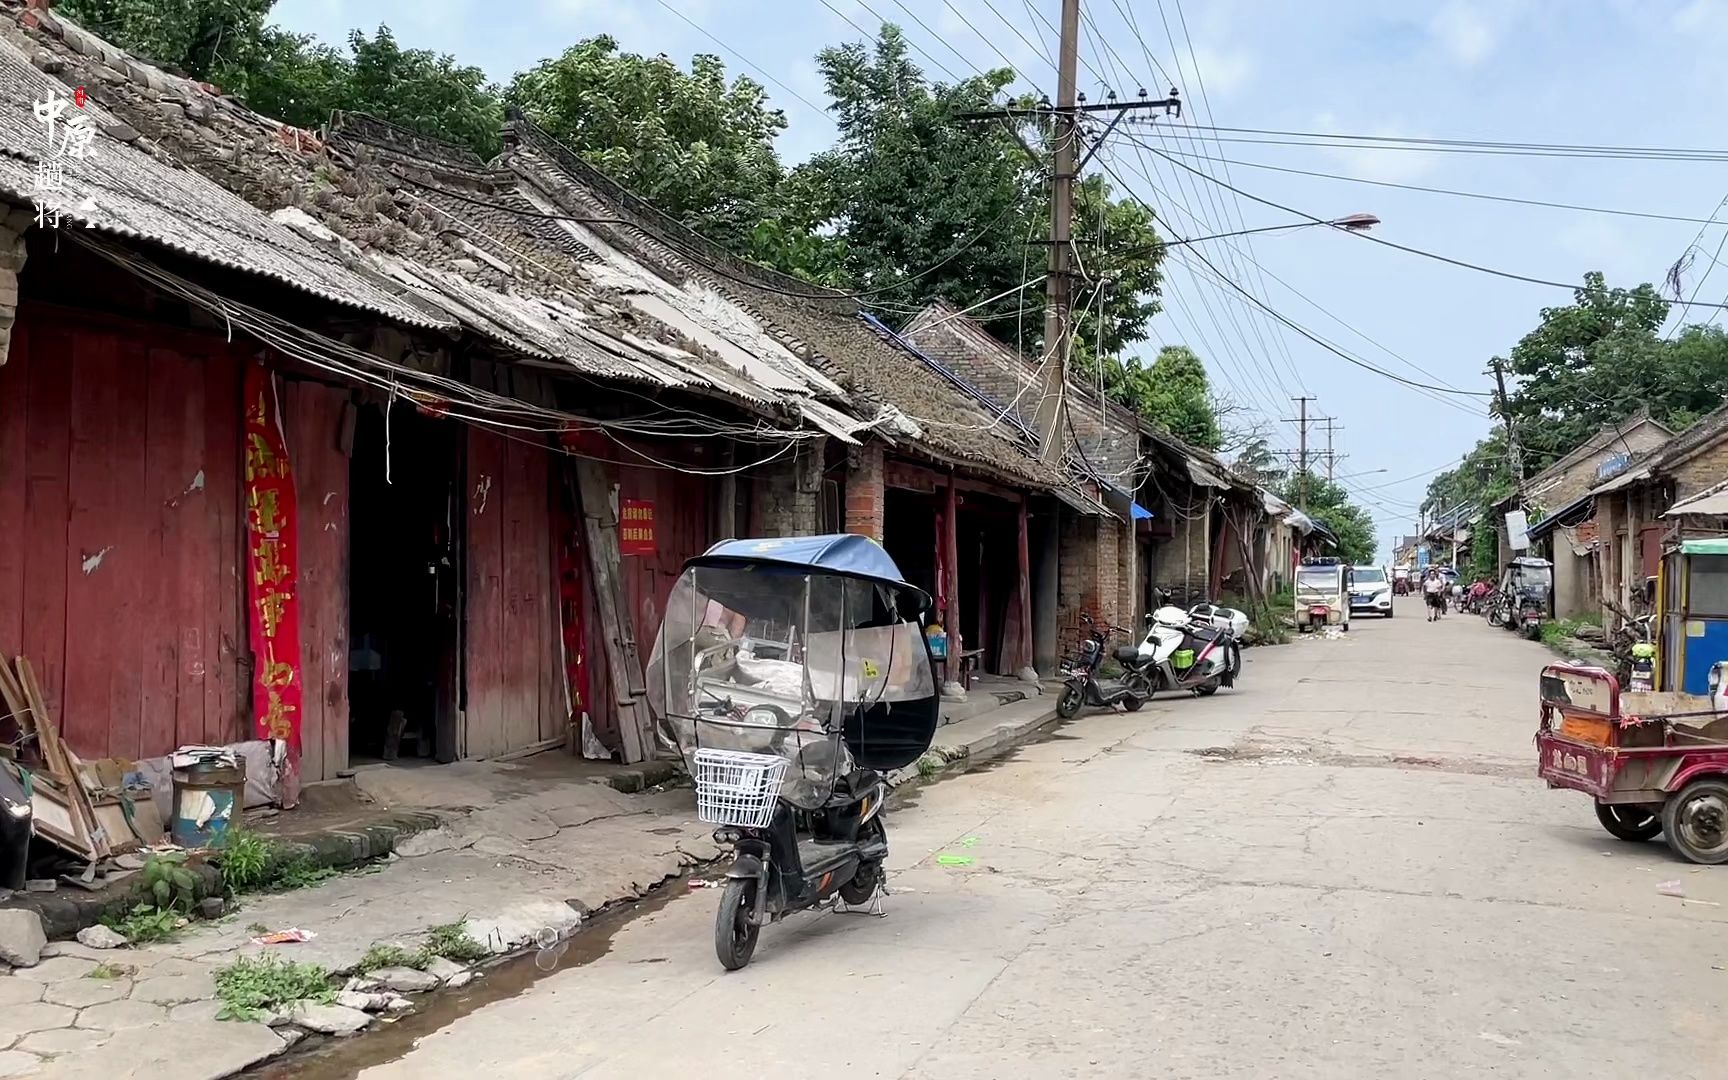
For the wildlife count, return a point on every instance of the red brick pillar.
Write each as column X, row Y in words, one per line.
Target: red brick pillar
column 864, row 491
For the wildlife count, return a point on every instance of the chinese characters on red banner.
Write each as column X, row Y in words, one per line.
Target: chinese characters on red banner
column 272, row 562
column 635, row 527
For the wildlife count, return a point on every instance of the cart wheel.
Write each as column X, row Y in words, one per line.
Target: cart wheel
column 1628, row 822
column 863, row 884
column 1069, row 703
column 1696, row 821
column 734, row 934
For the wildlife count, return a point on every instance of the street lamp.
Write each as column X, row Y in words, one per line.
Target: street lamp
column 1348, row 223
column 1370, row 472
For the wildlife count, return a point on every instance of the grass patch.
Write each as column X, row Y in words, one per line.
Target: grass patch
column 1557, row 631
column 247, row 861
column 252, row 986
column 303, row 873
column 146, row 923
column 257, row 929
column 107, row 973
column 453, row 943
column 393, row 956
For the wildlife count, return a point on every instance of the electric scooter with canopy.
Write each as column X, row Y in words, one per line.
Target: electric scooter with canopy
column 792, row 674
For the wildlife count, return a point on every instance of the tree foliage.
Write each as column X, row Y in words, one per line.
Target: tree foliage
column 910, row 181
column 1329, row 503
column 697, row 145
column 1172, row 392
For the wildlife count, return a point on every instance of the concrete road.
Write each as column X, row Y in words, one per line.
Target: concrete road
column 1343, row 868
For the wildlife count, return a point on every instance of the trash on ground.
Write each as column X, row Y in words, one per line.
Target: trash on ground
column 698, row 883
column 1670, row 888
column 291, row 936
column 954, row 860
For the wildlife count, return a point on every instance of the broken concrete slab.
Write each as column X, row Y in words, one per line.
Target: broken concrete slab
column 57, row 969
column 443, row 969
column 174, row 989
column 195, row 1010
column 21, row 937
column 406, row 980
column 122, row 1015
column 365, row 1002
column 336, row 1020
column 15, row 991
column 193, row 1050
column 85, row 992
column 430, row 842
column 16, row 1021
column 18, row 1063
column 63, row 1041
column 101, row 937
column 522, row 924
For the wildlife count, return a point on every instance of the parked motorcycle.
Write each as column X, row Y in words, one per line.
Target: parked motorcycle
column 1193, row 650
column 1081, row 685
column 789, row 756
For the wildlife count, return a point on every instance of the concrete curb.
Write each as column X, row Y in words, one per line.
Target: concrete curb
column 960, row 745
column 69, row 909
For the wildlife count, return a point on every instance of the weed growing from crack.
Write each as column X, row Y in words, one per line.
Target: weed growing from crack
column 107, row 973
column 392, row 956
column 247, row 861
column 453, row 943
column 146, row 923
column 252, row 986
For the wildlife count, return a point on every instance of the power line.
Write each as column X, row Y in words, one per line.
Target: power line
column 758, row 68
column 1486, row 196
column 1371, row 142
column 1436, row 256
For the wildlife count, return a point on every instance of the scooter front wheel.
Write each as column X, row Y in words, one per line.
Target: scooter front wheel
column 1070, row 701
column 734, row 934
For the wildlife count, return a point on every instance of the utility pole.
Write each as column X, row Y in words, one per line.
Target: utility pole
column 1301, row 423
column 1058, row 325
column 1066, row 162
column 1514, row 457
column 1331, row 455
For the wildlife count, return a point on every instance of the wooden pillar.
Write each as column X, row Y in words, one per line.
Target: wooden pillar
column 951, row 575
column 623, row 659
column 1215, row 579
column 1023, row 556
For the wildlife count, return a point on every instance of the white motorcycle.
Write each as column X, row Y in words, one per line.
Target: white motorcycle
column 1197, row 650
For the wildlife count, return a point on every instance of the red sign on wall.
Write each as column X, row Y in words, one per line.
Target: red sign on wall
column 636, row 527
column 272, row 565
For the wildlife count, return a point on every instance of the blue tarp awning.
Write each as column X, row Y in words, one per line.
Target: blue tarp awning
column 1136, row 512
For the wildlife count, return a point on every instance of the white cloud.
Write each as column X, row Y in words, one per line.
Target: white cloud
column 1367, row 163
column 1225, row 73
column 1468, row 33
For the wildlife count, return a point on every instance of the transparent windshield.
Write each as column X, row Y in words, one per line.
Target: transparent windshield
column 1320, row 579
column 1370, row 575
column 772, row 661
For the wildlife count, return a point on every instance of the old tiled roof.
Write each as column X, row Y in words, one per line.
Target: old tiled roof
column 441, row 237
column 821, row 327
column 1708, row 430
column 1103, row 425
column 121, row 189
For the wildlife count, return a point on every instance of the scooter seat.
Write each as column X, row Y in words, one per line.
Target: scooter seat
column 1126, row 654
column 1204, row 633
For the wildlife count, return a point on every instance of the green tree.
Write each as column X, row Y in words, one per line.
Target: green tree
column 910, row 180
column 214, row 40
column 424, row 91
column 1175, row 393
column 696, row 145
column 1329, row 503
column 1600, row 360
column 1261, row 464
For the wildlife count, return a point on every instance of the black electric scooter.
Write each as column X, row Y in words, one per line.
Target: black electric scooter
column 1081, row 685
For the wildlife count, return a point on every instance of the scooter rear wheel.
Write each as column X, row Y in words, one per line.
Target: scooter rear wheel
column 734, row 934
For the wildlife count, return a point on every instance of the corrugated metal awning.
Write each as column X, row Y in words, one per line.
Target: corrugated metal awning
column 1203, row 476
column 1712, row 503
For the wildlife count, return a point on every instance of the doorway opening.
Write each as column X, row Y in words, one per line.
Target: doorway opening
column 909, row 535
column 403, row 601
column 988, row 538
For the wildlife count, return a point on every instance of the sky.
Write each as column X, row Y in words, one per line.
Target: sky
column 1606, row 72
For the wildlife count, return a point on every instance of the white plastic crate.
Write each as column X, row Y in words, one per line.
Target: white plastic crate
column 737, row 788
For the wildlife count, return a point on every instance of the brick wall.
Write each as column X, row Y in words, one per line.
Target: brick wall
column 789, row 488
column 864, row 491
column 1702, row 472
column 1580, row 476
column 1182, row 563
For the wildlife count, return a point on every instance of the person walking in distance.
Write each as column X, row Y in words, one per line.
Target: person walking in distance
column 1434, row 592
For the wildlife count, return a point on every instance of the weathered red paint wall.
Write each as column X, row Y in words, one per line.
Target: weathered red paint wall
column 119, row 501
column 514, row 694
column 313, row 417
